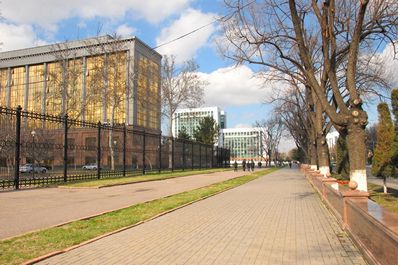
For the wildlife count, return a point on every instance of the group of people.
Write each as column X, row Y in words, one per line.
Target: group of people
column 245, row 164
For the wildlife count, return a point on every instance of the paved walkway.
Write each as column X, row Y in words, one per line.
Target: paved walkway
column 276, row 219
column 28, row 210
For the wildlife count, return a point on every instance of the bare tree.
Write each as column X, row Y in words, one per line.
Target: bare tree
column 181, row 87
column 63, row 81
column 7, row 143
column 114, row 85
column 323, row 41
column 271, row 133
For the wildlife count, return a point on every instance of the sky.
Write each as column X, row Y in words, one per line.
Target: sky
column 28, row 23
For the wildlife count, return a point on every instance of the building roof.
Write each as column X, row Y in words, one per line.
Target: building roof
column 199, row 109
column 236, row 130
column 25, row 56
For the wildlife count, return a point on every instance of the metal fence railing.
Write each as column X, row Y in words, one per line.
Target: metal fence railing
column 39, row 150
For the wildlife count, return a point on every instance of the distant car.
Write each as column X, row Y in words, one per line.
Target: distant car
column 48, row 167
column 92, row 166
column 30, row 168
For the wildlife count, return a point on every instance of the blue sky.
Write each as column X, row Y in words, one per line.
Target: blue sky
column 28, row 23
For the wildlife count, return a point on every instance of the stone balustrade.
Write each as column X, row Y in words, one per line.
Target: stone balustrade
column 373, row 228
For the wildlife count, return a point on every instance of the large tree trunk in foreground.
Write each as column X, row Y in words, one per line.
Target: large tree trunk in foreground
column 357, row 152
column 313, row 155
column 321, row 144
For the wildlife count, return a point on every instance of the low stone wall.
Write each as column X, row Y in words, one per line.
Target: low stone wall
column 373, row 228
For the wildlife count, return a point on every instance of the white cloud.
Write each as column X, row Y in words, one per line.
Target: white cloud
column 389, row 61
column 186, row 48
column 47, row 13
column 234, row 86
column 17, row 37
column 124, row 30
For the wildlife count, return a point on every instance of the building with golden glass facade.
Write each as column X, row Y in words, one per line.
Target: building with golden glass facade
column 99, row 79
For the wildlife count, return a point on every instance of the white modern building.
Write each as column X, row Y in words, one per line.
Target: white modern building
column 190, row 118
column 244, row 143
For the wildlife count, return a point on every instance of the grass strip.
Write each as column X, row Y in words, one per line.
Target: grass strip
column 98, row 183
column 19, row 249
column 387, row 200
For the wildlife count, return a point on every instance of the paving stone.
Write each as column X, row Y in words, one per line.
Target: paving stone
column 277, row 219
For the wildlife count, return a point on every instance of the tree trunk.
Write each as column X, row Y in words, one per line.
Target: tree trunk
column 385, row 184
column 313, row 151
column 111, row 144
column 323, row 155
column 111, row 150
column 321, row 143
column 170, row 142
column 356, row 137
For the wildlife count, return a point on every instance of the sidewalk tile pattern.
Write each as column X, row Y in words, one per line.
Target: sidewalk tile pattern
column 277, row 219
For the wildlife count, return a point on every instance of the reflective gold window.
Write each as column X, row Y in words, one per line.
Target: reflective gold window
column 3, row 87
column 73, row 79
column 54, row 89
column 17, row 89
column 117, row 87
column 35, row 97
column 148, row 101
column 94, row 88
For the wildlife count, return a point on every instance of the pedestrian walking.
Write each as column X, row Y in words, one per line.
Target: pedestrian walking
column 235, row 166
column 259, row 164
column 252, row 165
column 244, row 164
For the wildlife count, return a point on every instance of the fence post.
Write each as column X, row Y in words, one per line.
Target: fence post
column 218, row 156
column 212, row 157
column 17, row 146
column 183, row 155
column 200, row 156
column 99, row 151
column 160, row 152
column 206, row 151
column 143, row 153
column 225, row 157
column 66, row 148
column 124, row 149
column 172, row 154
column 192, row 155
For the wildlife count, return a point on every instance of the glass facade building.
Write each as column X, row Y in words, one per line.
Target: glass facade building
column 244, row 143
column 99, row 79
column 190, row 118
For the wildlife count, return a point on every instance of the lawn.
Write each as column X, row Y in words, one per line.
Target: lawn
column 388, row 201
column 98, row 183
column 29, row 246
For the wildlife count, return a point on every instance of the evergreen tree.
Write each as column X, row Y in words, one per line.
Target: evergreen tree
column 394, row 104
column 342, row 160
column 207, row 131
column 382, row 160
column 297, row 154
column 183, row 134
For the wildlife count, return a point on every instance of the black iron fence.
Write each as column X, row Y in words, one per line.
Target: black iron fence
column 39, row 150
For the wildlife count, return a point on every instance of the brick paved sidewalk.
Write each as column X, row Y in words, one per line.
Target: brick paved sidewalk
column 28, row 210
column 277, row 219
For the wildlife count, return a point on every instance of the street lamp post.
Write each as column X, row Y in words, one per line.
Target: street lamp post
column 33, row 133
